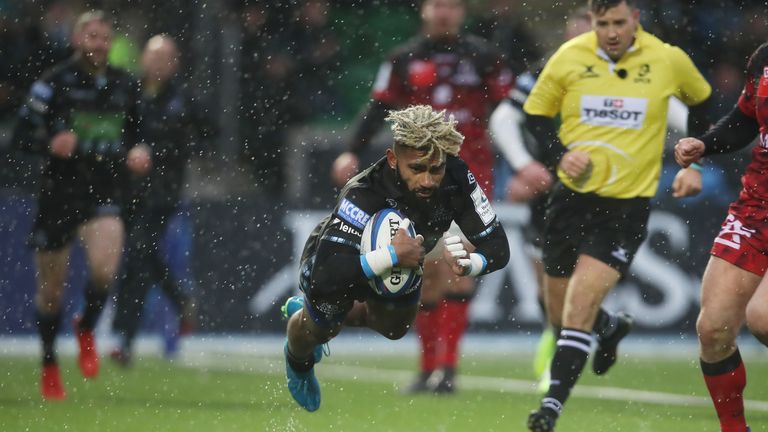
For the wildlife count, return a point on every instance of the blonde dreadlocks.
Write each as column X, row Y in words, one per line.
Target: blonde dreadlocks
column 422, row 128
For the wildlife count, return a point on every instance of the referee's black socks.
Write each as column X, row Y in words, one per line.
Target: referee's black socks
column 573, row 348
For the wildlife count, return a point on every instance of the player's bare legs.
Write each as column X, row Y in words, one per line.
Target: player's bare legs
column 389, row 320
column 725, row 293
column 51, row 274
column 52, row 267
column 102, row 239
column 304, row 334
column 587, row 287
column 590, row 282
column 757, row 312
column 554, row 298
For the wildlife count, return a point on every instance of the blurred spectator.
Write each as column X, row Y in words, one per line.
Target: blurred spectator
column 171, row 124
column 501, row 23
column 30, row 42
column 268, row 101
column 317, row 56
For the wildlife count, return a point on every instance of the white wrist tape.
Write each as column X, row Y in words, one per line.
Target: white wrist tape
column 476, row 263
column 377, row 262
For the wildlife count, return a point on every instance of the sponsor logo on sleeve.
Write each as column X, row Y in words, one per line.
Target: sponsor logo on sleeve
column 471, row 177
column 618, row 112
column 338, row 224
column 482, row 206
column 353, row 214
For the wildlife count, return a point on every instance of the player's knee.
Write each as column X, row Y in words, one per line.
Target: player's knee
column 395, row 332
column 714, row 334
column 48, row 301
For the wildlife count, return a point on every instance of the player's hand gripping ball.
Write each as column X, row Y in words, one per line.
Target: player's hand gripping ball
column 377, row 234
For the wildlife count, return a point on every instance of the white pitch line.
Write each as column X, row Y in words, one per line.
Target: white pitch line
column 473, row 382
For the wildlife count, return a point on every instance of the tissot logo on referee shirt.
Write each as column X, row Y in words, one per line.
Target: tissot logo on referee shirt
column 620, row 112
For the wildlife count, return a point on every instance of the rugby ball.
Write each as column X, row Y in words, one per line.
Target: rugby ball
column 377, row 234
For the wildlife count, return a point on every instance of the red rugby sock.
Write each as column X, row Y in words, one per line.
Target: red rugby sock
column 427, row 329
column 726, row 381
column 453, row 324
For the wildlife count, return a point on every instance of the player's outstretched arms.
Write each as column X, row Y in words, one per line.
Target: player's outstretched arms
column 687, row 183
column 409, row 250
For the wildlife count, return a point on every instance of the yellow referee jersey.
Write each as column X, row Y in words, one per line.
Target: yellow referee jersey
column 616, row 112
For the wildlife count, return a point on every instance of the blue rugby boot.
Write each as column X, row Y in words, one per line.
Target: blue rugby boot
column 303, row 385
column 293, row 305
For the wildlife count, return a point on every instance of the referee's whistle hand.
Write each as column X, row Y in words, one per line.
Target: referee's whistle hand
column 688, row 150
column 575, row 163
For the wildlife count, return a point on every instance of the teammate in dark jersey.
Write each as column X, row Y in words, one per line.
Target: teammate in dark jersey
column 83, row 115
column 734, row 288
column 465, row 75
column 422, row 177
column 171, row 122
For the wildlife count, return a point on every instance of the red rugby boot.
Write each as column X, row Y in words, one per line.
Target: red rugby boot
column 88, row 360
column 51, row 386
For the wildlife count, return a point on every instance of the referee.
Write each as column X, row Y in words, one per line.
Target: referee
column 611, row 88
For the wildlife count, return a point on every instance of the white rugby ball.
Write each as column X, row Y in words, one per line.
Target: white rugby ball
column 377, row 234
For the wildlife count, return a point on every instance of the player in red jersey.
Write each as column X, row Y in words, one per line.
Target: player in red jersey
column 464, row 75
column 733, row 288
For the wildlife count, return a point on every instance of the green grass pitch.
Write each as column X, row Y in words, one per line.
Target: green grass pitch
column 234, row 392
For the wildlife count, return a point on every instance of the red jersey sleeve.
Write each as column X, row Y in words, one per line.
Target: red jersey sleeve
column 388, row 87
column 746, row 101
column 499, row 82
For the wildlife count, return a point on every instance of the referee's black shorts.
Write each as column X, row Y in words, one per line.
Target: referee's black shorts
column 607, row 229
